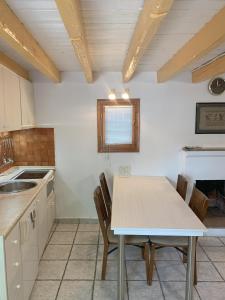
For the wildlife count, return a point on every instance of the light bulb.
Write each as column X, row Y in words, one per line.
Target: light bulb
column 125, row 95
column 112, row 95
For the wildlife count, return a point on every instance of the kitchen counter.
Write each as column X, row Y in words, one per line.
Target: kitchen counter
column 13, row 206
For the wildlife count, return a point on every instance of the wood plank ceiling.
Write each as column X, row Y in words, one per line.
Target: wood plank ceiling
column 13, row 32
column 109, row 26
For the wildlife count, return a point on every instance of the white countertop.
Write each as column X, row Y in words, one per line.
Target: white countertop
column 151, row 206
column 13, row 206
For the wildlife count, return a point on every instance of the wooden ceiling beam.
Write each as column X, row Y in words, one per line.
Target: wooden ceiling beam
column 71, row 15
column 207, row 71
column 148, row 23
column 21, row 40
column 14, row 66
column 209, row 37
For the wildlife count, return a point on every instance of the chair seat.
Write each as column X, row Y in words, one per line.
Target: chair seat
column 129, row 239
column 177, row 241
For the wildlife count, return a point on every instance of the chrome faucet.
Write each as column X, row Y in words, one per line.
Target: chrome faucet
column 6, row 149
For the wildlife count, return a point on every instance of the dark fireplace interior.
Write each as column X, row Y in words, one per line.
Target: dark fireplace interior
column 215, row 191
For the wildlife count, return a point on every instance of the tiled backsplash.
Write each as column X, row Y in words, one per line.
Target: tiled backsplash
column 32, row 147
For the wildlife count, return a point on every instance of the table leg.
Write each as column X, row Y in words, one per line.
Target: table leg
column 121, row 265
column 190, row 268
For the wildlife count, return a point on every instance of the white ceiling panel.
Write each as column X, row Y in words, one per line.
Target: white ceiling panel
column 185, row 19
column 109, row 26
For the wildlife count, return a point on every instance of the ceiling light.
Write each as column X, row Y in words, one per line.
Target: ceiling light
column 125, row 95
column 112, row 95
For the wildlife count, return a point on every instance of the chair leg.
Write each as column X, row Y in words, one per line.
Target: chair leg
column 195, row 271
column 146, row 251
column 104, row 260
column 151, row 264
column 185, row 249
column 143, row 252
column 146, row 258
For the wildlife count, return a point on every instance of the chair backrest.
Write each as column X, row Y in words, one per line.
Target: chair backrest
column 182, row 186
column 103, row 218
column 199, row 203
column 106, row 194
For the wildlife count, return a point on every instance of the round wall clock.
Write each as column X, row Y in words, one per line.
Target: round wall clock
column 217, row 86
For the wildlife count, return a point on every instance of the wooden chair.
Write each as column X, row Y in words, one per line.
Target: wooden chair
column 182, row 186
column 106, row 194
column 109, row 237
column 199, row 205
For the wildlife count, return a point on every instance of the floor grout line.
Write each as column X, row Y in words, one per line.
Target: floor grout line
column 126, row 260
column 160, row 282
column 213, row 264
column 96, row 260
column 66, row 265
column 218, row 271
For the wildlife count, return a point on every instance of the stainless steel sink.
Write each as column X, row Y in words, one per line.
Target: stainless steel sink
column 32, row 174
column 16, row 186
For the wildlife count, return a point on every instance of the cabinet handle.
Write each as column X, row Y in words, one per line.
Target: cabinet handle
column 16, row 264
column 18, row 286
column 51, row 178
column 32, row 217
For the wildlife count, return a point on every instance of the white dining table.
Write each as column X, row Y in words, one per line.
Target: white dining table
column 150, row 205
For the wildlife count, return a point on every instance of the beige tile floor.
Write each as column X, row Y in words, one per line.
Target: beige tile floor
column 70, row 269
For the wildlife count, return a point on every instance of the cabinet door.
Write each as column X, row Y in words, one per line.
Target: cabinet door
column 42, row 221
column 15, row 290
column 11, row 100
column 29, row 249
column 2, row 108
column 27, row 103
column 13, row 254
column 51, row 210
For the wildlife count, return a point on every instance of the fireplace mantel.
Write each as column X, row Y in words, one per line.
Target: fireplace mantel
column 204, row 165
column 200, row 149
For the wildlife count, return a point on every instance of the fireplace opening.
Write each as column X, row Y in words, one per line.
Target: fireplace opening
column 215, row 191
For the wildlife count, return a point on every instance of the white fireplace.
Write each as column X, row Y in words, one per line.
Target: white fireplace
column 204, row 165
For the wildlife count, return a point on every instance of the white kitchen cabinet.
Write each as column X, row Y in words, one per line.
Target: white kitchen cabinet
column 15, row 290
column 42, row 221
column 2, row 108
column 14, row 265
column 16, row 101
column 29, row 249
column 51, row 212
column 27, row 103
column 21, row 249
column 11, row 90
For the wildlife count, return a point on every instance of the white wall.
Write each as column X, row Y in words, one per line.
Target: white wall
column 167, row 124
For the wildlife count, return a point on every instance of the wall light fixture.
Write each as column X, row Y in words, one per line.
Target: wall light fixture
column 112, row 95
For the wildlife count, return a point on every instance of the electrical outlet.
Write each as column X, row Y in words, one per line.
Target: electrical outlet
column 124, row 170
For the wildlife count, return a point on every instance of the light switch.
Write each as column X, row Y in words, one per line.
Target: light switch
column 124, row 170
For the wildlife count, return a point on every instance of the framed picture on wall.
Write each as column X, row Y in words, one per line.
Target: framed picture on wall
column 210, row 118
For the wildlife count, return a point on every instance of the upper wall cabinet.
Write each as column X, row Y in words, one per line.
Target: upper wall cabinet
column 11, row 92
column 16, row 101
column 27, row 103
